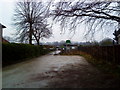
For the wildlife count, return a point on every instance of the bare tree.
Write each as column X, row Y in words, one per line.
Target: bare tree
column 30, row 17
column 41, row 31
column 95, row 14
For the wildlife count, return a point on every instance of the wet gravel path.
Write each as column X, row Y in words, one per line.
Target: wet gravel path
column 55, row 71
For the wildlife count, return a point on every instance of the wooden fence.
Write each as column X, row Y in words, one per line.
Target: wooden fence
column 108, row 53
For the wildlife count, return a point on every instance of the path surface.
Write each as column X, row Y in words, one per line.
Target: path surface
column 52, row 71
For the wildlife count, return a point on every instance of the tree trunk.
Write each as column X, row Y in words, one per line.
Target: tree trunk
column 30, row 34
column 38, row 43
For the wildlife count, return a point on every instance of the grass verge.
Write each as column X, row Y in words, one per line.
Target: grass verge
column 102, row 65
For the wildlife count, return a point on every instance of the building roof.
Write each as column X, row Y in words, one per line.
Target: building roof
column 3, row 26
column 4, row 40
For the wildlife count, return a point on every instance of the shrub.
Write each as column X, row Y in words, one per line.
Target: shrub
column 13, row 52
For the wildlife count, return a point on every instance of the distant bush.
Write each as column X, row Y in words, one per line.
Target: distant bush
column 13, row 52
column 106, row 42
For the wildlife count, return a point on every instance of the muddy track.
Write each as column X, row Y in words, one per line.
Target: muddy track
column 55, row 71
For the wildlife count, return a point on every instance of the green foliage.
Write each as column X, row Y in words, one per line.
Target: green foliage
column 95, row 43
column 13, row 52
column 106, row 42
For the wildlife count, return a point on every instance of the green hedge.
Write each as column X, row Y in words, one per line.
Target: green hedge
column 13, row 52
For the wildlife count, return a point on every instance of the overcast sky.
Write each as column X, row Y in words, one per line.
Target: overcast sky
column 6, row 13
